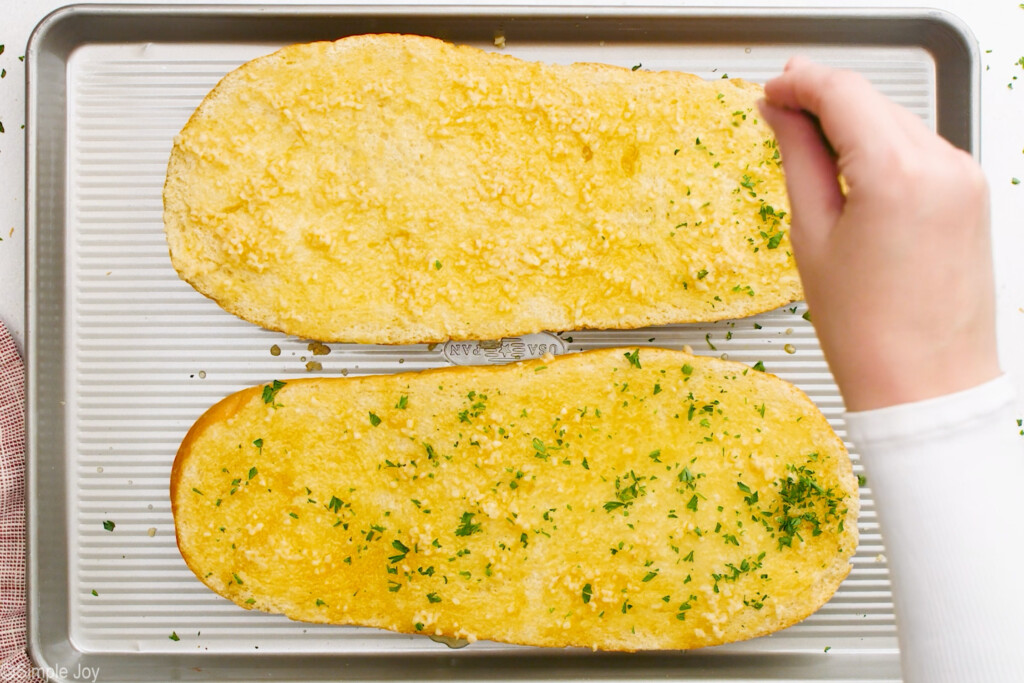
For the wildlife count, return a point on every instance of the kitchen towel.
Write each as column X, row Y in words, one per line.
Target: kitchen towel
column 15, row 666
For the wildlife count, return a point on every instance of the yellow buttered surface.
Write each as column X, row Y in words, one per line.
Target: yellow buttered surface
column 619, row 499
column 399, row 189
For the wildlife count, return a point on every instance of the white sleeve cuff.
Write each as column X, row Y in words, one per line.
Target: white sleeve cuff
column 933, row 418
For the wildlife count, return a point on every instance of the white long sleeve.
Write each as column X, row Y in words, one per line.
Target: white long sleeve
column 948, row 477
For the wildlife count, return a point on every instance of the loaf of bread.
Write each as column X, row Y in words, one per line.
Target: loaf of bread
column 619, row 499
column 400, row 189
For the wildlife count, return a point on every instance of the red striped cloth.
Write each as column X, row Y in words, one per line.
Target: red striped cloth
column 14, row 662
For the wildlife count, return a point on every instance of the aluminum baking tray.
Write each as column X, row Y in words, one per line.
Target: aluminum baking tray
column 123, row 356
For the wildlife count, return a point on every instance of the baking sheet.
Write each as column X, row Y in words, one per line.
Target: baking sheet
column 124, row 356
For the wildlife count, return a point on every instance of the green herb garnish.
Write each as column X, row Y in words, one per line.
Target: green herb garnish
column 467, row 527
column 270, row 392
column 401, row 548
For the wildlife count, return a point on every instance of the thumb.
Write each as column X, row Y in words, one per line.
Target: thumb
column 816, row 199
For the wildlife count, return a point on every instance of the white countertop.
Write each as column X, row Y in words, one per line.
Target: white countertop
column 997, row 24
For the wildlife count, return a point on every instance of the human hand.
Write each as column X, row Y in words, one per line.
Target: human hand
column 897, row 271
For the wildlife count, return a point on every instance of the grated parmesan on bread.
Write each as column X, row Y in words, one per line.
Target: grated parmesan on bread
column 620, row 499
column 400, row 189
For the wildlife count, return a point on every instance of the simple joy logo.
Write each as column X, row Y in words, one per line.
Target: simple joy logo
column 505, row 350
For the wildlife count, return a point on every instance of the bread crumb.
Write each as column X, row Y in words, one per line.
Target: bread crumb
column 151, row 531
column 499, row 39
column 275, row 350
column 318, row 348
column 313, row 365
column 789, row 348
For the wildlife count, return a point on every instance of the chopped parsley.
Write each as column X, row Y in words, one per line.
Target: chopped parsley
column 402, row 549
column 685, row 607
column 270, row 392
column 466, row 526
column 774, row 239
column 804, row 503
column 627, row 490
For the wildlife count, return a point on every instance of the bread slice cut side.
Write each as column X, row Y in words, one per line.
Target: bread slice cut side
column 621, row 499
column 399, row 189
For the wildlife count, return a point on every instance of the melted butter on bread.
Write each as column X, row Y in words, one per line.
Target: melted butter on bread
column 400, row 189
column 619, row 499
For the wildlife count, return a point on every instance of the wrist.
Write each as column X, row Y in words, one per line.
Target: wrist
column 880, row 384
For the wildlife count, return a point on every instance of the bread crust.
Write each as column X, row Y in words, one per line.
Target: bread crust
column 591, row 486
column 399, row 189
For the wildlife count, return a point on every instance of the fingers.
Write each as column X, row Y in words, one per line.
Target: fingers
column 853, row 115
column 811, row 175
